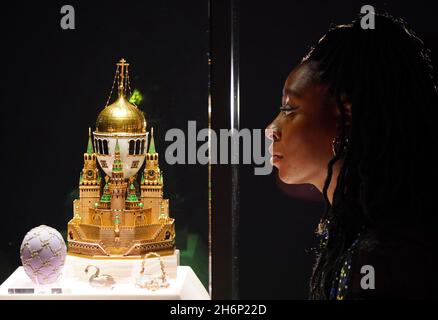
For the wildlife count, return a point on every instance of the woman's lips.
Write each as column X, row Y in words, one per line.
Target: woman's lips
column 275, row 156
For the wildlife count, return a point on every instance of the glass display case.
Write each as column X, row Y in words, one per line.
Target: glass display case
column 95, row 92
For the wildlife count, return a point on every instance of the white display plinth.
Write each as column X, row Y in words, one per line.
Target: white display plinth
column 75, row 285
column 122, row 269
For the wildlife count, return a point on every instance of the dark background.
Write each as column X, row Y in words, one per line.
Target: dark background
column 276, row 229
column 55, row 82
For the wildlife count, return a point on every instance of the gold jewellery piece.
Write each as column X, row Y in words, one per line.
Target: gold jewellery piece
column 148, row 281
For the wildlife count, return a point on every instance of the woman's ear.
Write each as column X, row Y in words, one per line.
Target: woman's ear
column 347, row 109
column 346, row 105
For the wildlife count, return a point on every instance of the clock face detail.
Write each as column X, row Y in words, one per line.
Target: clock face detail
column 89, row 173
column 151, row 173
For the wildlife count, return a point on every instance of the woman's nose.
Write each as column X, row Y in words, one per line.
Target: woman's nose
column 273, row 132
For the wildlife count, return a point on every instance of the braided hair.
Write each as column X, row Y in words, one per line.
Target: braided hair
column 389, row 148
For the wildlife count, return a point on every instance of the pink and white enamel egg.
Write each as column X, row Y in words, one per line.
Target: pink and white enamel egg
column 43, row 253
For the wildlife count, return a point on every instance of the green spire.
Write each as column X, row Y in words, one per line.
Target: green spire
column 90, row 149
column 117, row 149
column 152, row 144
column 106, row 197
column 132, row 197
column 117, row 165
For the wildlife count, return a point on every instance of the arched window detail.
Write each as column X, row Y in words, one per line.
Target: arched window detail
column 137, row 147
column 131, row 147
column 105, row 147
column 142, row 146
column 100, row 146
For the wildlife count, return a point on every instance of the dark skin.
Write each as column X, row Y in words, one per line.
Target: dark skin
column 304, row 130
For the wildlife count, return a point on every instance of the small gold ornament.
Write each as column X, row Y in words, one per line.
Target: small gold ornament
column 149, row 281
column 100, row 281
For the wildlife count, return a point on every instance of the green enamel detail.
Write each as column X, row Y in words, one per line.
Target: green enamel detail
column 152, row 145
column 132, row 198
column 117, row 146
column 105, row 198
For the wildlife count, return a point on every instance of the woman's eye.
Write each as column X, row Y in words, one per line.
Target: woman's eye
column 287, row 109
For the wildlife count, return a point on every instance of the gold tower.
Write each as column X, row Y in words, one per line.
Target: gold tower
column 122, row 218
column 152, row 182
column 89, row 180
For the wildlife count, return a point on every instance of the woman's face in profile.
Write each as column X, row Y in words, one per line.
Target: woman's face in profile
column 303, row 131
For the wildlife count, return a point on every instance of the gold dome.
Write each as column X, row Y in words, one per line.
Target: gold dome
column 121, row 117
